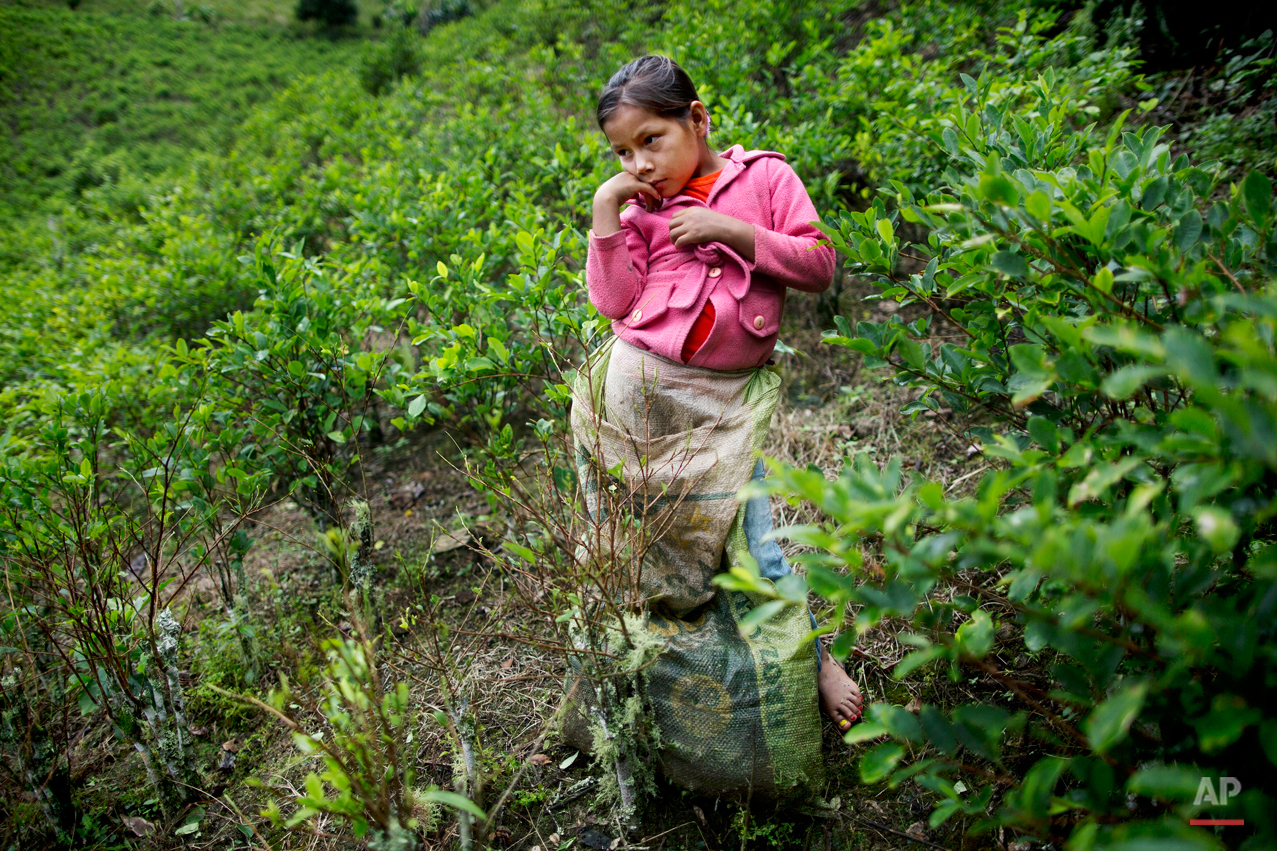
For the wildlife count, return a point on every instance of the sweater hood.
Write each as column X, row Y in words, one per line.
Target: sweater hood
column 738, row 154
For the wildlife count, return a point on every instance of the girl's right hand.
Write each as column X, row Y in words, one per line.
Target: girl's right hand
column 622, row 187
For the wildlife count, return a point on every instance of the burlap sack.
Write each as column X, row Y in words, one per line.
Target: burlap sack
column 735, row 714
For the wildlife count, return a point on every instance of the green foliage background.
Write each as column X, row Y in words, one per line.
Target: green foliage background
column 93, row 97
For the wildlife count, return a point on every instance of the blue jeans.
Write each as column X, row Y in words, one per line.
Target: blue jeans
column 771, row 561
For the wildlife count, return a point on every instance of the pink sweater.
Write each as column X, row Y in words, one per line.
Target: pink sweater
column 653, row 291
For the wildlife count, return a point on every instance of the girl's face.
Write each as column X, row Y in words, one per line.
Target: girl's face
column 664, row 153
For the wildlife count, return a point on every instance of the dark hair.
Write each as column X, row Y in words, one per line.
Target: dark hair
column 654, row 83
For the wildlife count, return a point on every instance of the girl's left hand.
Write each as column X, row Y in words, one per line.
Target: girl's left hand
column 697, row 225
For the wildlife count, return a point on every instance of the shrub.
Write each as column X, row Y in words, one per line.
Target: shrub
column 385, row 63
column 96, row 551
column 295, row 374
column 1073, row 294
column 332, row 13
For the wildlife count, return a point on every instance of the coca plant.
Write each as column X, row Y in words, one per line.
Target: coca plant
column 1101, row 317
column 297, row 375
column 102, row 529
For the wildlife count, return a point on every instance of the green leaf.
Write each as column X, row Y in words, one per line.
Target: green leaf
column 452, row 799
column 1010, row 264
column 899, row 721
column 1110, row 722
column 336, row 437
column 885, row 232
column 916, row 660
column 1258, row 191
column 912, row 353
column 1100, row 479
column 863, row 732
column 937, row 729
column 1168, row 834
column 1165, row 782
column 1217, row 528
column 1038, row 205
column 760, row 615
column 1224, row 724
column 1044, row 433
column 416, row 406
column 999, row 189
column 1187, row 230
column 1038, row 786
column 942, row 813
column 975, row 637
column 1128, row 379
column 1103, row 280
column 879, row 761
column 314, row 787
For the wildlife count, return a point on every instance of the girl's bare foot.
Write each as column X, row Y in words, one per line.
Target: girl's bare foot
column 839, row 695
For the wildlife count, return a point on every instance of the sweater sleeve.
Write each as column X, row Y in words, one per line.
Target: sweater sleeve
column 616, row 270
column 788, row 251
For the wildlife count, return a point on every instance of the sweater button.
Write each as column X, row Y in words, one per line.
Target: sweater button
column 638, row 316
column 715, row 271
column 758, row 322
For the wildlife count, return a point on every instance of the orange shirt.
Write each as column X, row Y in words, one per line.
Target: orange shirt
column 698, row 188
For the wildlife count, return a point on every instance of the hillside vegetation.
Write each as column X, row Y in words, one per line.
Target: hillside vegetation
column 291, row 534
column 114, row 92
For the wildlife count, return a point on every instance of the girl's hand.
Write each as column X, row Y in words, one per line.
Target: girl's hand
column 698, row 225
column 622, row 187
column 612, row 194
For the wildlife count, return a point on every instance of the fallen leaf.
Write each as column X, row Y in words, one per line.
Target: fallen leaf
column 139, row 826
column 540, row 759
column 568, row 762
column 230, row 746
column 700, row 815
column 917, row 829
column 507, row 664
column 915, row 706
column 198, row 731
column 554, row 839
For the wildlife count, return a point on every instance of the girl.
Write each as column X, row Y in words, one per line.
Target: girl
column 694, row 275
